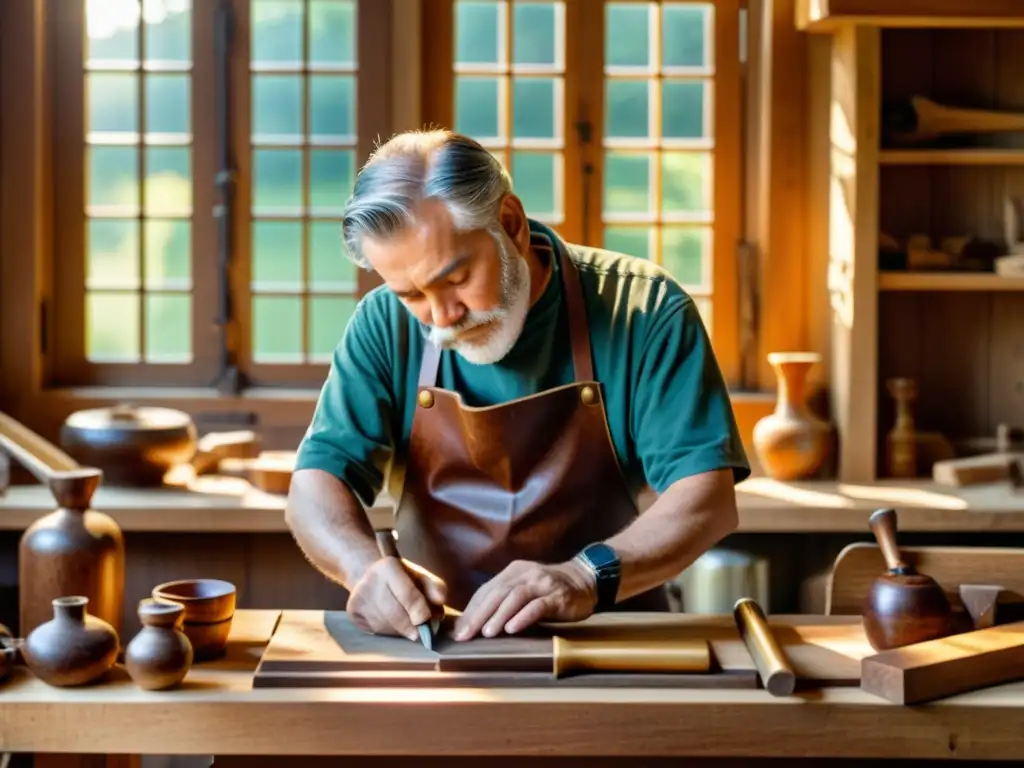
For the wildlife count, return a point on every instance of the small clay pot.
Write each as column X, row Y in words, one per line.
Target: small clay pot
column 160, row 655
column 73, row 648
column 209, row 610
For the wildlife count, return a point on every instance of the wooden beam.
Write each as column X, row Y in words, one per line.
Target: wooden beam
column 781, row 82
column 853, row 246
column 830, row 15
column 24, row 197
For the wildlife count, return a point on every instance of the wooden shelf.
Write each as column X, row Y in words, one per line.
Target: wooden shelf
column 944, row 281
column 765, row 506
column 979, row 156
column 828, row 15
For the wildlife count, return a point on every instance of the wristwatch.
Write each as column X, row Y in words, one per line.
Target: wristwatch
column 607, row 567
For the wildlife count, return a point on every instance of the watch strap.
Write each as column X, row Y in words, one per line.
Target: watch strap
column 607, row 568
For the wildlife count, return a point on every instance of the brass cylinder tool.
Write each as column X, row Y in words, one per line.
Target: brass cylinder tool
column 686, row 655
column 776, row 672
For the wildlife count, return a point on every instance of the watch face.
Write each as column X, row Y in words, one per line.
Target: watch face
column 601, row 555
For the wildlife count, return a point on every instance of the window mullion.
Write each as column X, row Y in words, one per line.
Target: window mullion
column 215, row 194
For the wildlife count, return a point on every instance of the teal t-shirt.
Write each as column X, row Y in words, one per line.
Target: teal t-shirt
column 668, row 407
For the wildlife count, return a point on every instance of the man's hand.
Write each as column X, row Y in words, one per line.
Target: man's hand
column 525, row 593
column 393, row 596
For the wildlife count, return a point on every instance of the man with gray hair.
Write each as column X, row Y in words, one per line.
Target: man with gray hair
column 528, row 389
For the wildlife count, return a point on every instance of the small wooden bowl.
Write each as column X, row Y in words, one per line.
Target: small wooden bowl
column 209, row 609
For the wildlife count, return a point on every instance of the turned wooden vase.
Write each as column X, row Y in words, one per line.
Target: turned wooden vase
column 72, row 648
column 74, row 550
column 792, row 443
column 160, row 655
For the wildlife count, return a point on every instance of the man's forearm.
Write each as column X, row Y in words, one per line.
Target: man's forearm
column 330, row 526
column 687, row 519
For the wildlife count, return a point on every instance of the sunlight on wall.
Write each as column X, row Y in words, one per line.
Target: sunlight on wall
column 841, row 213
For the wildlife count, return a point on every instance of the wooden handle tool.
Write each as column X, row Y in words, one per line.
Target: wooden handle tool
column 883, row 525
column 653, row 656
column 773, row 666
column 922, row 119
column 33, row 451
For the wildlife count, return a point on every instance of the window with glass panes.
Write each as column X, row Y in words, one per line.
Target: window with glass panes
column 619, row 122
column 153, row 243
column 509, row 94
column 623, row 131
column 304, row 72
column 658, row 140
column 124, row 205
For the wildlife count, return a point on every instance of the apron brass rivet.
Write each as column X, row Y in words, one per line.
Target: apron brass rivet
column 426, row 399
column 588, row 396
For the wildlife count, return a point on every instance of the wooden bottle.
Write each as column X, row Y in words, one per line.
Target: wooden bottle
column 74, row 550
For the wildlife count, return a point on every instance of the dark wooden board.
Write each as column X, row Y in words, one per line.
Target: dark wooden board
column 824, row 650
column 532, row 651
column 366, row 651
column 722, row 680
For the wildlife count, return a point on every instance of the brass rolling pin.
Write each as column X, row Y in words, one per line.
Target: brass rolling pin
column 653, row 656
column 776, row 672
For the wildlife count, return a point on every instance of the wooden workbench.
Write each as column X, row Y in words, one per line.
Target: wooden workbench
column 217, row 712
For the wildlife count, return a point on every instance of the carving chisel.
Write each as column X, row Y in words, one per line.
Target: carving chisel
column 388, row 548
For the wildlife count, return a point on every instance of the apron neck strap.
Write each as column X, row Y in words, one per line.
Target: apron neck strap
column 579, row 332
column 430, row 363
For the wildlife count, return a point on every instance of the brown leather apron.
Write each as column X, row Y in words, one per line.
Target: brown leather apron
column 535, row 478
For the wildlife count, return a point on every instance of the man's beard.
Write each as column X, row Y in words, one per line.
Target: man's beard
column 506, row 319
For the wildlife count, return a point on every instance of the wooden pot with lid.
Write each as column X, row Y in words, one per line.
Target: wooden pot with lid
column 134, row 446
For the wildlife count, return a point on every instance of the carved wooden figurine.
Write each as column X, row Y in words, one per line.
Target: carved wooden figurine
column 901, row 445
